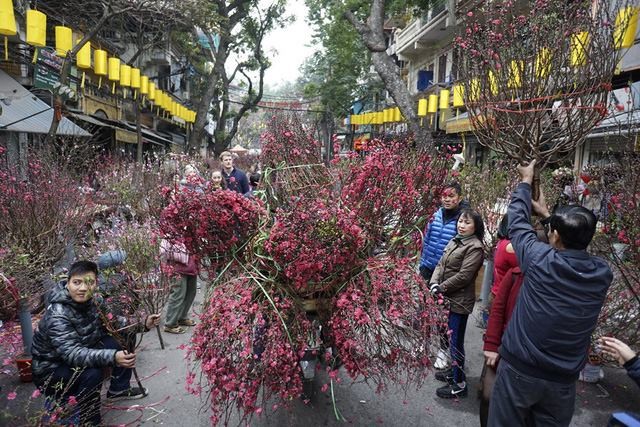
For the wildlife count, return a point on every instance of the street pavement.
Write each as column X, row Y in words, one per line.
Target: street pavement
column 169, row 403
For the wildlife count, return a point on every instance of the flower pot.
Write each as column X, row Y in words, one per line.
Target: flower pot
column 23, row 362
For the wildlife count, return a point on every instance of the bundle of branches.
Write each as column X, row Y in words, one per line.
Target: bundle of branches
column 383, row 324
column 292, row 161
column 315, row 246
column 619, row 242
column 132, row 282
column 42, row 210
column 246, row 345
column 139, row 187
column 488, row 191
column 393, row 191
column 536, row 81
column 213, row 225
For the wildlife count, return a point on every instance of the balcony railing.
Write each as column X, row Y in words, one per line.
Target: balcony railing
column 438, row 11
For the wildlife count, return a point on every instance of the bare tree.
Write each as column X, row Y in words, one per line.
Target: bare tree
column 536, row 81
column 371, row 31
column 241, row 28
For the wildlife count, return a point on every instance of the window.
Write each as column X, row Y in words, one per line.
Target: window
column 442, row 68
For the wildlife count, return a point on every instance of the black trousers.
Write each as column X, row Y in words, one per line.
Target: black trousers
column 519, row 399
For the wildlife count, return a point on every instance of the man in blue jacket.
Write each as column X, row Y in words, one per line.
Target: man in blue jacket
column 545, row 345
column 235, row 178
column 441, row 229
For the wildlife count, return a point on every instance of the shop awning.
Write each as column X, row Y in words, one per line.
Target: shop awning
column 459, row 124
column 22, row 111
column 148, row 134
column 126, row 136
column 91, row 120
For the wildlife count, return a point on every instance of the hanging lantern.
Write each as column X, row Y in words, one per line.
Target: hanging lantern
column 444, row 99
column 135, row 81
column 36, row 28
column 125, row 75
column 624, row 34
column 152, row 91
column 135, row 78
column 83, row 60
column 422, row 107
column 543, row 63
column 458, row 96
column 100, row 64
column 493, row 83
column 144, row 85
column 474, row 90
column 64, row 37
column 397, row 117
column 7, row 24
column 515, row 74
column 114, row 72
column 579, row 42
column 433, row 104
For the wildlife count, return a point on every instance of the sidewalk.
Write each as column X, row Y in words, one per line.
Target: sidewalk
column 163, row 372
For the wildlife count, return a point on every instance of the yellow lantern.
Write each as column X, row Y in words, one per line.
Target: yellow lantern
column 396, row 115
column 433, row 104
column 135, row 81
column 493, row 83
column 579, row 42
column 543, row 63
column 474, row 90
column 125, row 75
column 36, row 28
column 114, row 69
column 7, row 24
column 64, row 37
column 83, row 60
column 152, row 91
column 380, row 117
column 444, row 99
column 174, row 108
column 624, row 33
column 135, row 78
column 100, row 62
column 144, row 85
column 422, row 107
column 515, row 74
column 458, row 96
column 114, row 72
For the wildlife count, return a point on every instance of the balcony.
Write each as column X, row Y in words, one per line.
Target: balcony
column 436, row 25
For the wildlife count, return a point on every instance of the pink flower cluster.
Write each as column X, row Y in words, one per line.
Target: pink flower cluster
column 210, row 223
column 373, row 311
column 247, row 356
column 316, row 245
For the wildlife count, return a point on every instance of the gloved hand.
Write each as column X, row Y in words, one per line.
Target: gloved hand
column 435, row 289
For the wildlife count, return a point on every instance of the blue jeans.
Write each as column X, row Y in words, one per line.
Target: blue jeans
column 84, row 385
column 458, row 327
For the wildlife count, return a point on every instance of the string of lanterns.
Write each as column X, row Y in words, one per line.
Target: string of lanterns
column 626, row 27
column 117, row 73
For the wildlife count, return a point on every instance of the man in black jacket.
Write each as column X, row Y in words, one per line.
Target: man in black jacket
column 546, row 342
column 71, row 348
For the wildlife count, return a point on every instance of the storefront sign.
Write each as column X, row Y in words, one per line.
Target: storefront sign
column 47, row 70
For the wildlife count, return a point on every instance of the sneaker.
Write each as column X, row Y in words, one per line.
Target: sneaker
column 175, row 329
column 128, row 394
column 451, row 391
column 442, row 360
column 445, row 376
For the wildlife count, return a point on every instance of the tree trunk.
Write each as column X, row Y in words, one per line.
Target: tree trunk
column 372, row 34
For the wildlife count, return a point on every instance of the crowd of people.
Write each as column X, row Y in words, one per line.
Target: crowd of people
column 544, row 304
column 545, row 300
